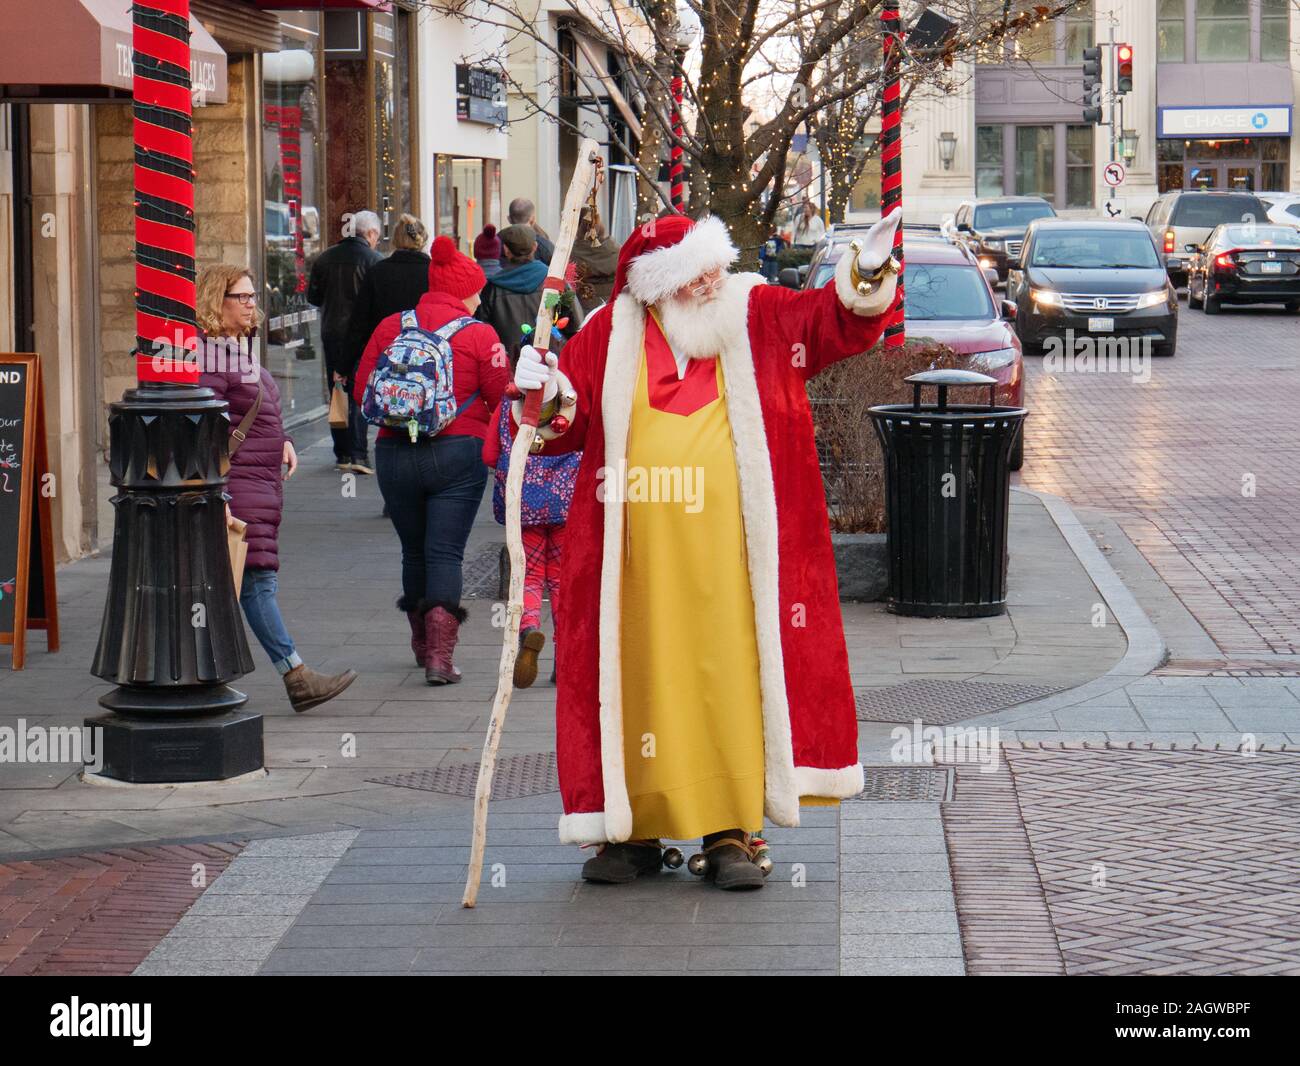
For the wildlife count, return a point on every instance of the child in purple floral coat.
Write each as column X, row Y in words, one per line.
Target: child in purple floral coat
column 547, row 493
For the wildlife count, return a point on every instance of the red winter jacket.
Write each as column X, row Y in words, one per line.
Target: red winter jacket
column 478, row 362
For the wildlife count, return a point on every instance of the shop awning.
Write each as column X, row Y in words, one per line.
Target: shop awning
column 94, row 47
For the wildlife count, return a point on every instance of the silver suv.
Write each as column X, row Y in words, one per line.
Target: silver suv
column 1181, row 219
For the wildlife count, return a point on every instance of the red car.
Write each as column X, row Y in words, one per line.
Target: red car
column 948, row 299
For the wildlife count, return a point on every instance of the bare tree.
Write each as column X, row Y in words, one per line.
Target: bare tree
column 763, row 71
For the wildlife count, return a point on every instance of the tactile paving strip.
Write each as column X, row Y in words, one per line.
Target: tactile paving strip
column 905, row 783
column 939, row 702
column 515, row 776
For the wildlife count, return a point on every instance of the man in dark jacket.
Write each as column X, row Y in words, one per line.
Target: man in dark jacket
column 511, row 298
column 523, row 213
column 336, row 279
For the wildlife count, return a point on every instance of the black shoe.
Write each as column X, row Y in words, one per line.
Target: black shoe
column 617, row 864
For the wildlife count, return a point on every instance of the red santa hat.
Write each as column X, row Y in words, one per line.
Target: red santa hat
column 664, row 254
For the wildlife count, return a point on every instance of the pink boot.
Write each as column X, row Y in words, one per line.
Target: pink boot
column 418, row 645
column 441, row 628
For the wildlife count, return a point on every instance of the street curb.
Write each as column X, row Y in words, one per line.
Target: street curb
column 1146, row 648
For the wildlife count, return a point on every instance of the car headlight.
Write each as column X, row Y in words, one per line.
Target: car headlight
column 986, row 263
column 995, row 360
column 1152, row 299
column 1046, row 298
column 993, row 246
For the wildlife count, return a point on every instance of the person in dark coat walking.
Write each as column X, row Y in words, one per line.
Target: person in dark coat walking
column 335, row 282
column 511, row 298
column 392, row 285
column 227, row 315
column 523, row 212
column 433, row 485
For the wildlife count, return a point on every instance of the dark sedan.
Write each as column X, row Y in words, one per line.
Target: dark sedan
column 1245, row 264
column 994, row 229
column 1092, row 279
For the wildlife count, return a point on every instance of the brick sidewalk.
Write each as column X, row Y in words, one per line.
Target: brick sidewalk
column 1206, row 451
column 100, row 912
column 1128, row 861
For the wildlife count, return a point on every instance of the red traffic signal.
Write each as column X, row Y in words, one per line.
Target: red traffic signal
column 1124, row 73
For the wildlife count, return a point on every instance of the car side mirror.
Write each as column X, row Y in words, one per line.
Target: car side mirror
column 991, row 276
column 789, row 277
column 1008, row 310
column 963, row 227
column 1013, row 262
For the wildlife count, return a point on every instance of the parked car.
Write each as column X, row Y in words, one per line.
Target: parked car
column 950, row 299
column 1178, row 219
column 994, row 229
column 1283, row 207
column 1092, row 278
column 1245, row 264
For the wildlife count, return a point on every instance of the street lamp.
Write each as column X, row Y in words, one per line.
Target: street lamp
column 947, row 148
column 1128, row 145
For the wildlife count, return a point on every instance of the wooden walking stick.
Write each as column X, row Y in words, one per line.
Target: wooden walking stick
column 586, row 174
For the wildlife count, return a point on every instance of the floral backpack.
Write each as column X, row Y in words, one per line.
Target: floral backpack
column 411, row 386
column 548, row 481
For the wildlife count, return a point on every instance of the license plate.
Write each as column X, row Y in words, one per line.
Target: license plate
column 1101, row 325
column 1270, row 268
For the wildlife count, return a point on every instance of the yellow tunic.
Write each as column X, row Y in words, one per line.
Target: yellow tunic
column 692, row 707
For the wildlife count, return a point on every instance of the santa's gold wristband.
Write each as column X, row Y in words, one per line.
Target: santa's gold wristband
column 865, row 286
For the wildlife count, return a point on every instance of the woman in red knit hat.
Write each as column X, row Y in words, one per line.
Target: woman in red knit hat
column 433, row 485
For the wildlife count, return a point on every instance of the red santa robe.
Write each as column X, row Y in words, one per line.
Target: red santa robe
column 781, row 339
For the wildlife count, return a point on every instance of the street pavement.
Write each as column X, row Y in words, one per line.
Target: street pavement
column 1109, row 837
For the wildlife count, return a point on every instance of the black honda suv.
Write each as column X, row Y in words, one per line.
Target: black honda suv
column 995, row 229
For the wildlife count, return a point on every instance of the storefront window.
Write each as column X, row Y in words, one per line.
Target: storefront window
column 1274, row 30
column 1038, row 45
column 1274, row 152
column 292, row 178
column 467, row 179
column 1222, row 31
column 988, row 161
column 445, row 196
column 1035, row 161
column 1078, row 32
column 1078, row 166
column 1170, row 31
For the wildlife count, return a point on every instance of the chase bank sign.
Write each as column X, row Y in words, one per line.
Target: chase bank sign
column 1201, row 122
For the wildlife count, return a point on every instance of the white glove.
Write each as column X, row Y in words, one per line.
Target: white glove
column 532, row 372
column 878, row 243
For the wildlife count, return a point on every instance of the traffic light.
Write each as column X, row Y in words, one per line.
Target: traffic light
column 1092, row 85
column 1124, row 75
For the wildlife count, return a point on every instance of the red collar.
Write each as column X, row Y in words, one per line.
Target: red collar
column 667, row 392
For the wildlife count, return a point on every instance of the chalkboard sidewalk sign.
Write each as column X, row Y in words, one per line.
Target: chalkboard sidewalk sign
column 27, row 599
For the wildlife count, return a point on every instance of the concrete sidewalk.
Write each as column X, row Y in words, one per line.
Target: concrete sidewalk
column 348, row 874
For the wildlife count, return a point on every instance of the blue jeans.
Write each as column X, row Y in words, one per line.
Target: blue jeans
column 433, row 489
column 257, row 597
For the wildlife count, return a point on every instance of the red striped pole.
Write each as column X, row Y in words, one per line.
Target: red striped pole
column 677, row 170
column 164, row 193
column 891, row 160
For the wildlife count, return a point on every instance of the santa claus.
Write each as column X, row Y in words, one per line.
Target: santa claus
column 703, row 676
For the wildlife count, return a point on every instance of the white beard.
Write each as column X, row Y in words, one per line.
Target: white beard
column 695, row 327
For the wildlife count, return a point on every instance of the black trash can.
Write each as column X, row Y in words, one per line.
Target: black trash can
column 947, row 495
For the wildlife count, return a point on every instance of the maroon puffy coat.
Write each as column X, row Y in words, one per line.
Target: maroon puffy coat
column 256, row 488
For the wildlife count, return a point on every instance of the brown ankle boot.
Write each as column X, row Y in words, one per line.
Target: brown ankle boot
column 531, row 642
column 307, row 689
column 441, row 629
